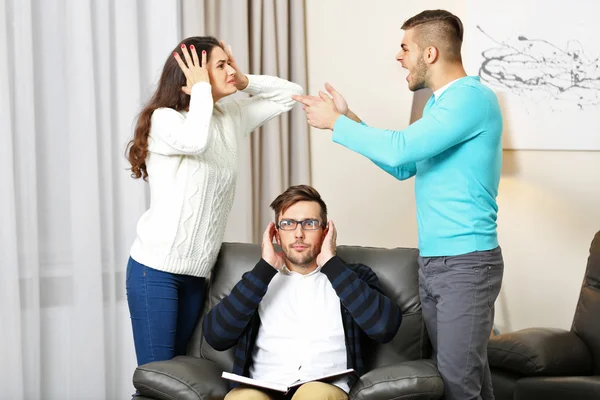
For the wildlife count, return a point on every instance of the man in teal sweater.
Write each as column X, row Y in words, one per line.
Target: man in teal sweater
column 455, row 152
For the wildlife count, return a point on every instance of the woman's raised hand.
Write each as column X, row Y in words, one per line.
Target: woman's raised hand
column 194, row 70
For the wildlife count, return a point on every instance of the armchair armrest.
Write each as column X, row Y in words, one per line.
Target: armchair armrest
column 411, row 379
column 540, row 352
column 182, row 378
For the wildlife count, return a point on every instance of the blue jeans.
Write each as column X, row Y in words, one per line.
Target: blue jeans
column 164, row 309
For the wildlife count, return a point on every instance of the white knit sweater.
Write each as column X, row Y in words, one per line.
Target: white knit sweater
column 192, row 170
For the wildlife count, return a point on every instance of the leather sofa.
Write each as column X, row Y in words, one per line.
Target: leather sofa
column 554, row 364
column 398, row 369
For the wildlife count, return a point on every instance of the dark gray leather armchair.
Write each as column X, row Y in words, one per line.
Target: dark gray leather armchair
column 399, row 369
column 554, row 364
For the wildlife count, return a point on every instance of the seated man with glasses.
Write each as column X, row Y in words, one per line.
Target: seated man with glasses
column 303, row 313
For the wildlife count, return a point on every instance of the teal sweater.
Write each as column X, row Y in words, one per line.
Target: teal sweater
column 455, row 151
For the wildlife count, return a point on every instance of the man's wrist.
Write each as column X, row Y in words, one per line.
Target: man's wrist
column 327, row 258
column 269, row 261
column 264, row 270
column 353, row 116
column 274, row 263
column 334, row 120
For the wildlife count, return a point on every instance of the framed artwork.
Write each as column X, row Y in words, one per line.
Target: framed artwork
column 543, row 61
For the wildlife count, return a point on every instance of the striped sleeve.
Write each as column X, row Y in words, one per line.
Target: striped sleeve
column 226, row 322
column 360, row 292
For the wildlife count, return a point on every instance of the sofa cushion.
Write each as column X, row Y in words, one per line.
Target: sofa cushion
column 562, row 388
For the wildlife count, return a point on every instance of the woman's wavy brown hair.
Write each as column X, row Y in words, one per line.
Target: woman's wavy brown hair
column 168, row 94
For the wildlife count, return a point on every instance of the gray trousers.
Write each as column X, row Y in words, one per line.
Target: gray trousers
column 457, row 295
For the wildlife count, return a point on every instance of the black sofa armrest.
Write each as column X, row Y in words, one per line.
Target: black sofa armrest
column 410, row 380
column 182, row 378
column 540, row 352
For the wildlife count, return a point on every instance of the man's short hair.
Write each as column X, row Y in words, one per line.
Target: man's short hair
column 295, row 194
column 440, row 29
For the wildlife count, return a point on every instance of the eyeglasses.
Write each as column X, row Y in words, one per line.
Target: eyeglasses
column 307, row 224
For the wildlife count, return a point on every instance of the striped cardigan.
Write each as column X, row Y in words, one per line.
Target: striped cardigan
column 365, row 311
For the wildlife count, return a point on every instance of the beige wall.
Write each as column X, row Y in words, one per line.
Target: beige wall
column 549, row 201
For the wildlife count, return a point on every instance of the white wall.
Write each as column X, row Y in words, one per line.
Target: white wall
column 549, row 201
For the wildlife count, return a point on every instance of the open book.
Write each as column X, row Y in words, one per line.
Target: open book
column 282, row 387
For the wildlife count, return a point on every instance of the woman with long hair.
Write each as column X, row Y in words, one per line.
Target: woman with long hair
column 185, row 147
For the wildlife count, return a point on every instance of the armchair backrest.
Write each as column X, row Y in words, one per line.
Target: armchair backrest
column 586, row 322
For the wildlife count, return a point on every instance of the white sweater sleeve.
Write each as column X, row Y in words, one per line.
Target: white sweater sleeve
column 171, row 133
column 271, row 96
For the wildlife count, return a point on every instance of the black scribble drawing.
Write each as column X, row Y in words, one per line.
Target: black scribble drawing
column 542, row 72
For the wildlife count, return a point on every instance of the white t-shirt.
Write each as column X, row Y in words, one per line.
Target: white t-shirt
column 301, row 335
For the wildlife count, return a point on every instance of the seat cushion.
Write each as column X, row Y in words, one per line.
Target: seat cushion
column 560, row 388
